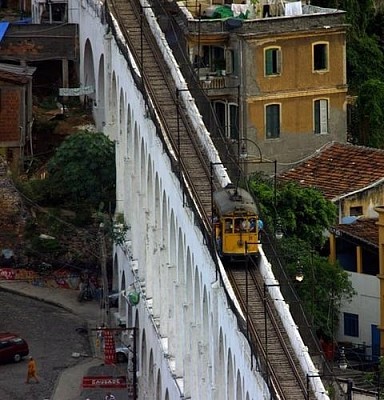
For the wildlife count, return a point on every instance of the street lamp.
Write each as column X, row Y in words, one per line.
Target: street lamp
column 300, row 277
column 243, row 155
column 343, row 360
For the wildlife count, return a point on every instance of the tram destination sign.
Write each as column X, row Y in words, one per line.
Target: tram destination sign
column 104, row 381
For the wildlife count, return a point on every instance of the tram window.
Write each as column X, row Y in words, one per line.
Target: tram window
column 252, row 225
column 238, row 222
column 245, row 225
column 228, row 226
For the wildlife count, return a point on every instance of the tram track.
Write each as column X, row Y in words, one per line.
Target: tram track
column 277, row 362
column 266, row 332
column 161, row 88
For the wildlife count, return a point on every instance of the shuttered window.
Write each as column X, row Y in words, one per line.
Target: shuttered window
column 272, row 121
column 321, row 116
column 272, row 61
column 227, row 115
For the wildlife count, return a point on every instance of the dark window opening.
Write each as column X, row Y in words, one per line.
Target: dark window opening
column 320, row 59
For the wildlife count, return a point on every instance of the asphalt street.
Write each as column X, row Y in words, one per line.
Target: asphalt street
column 53, row 335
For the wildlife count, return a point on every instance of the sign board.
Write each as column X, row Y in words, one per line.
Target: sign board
column 104, row 381
column 81, row 91
column 109, row 347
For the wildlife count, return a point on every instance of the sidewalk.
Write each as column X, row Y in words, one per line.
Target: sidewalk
column 69, row 384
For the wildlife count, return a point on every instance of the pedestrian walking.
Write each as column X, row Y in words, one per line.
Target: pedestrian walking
column 32, row 370
column 109, row 396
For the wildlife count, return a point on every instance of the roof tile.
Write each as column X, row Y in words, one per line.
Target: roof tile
column 338, row 169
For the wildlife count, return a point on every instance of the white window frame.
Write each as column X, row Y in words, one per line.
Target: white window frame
column 323, row 116
column 227, row 118
column 326, row 49
column 278, row 61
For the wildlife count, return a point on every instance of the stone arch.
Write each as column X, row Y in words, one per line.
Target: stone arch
column 122, row 301
column 158, row 385
column 151, row 377
column 154, row 291
column 144, row 361
column 179, row 301
column 120, row 151
column 166, row 397
column 195, row 334
column 196, row 297
column 187, row 318
column 89, row 69
column 100, row 99
column 239, row 389
column 230, row 378
column 164, row 260
column 136, row 326
column 205, row 335
column 112, row 121
column 220, row 360
column 115, row 273
column 121, row 116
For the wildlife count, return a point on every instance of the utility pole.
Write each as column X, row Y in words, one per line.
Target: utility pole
column 103, row 259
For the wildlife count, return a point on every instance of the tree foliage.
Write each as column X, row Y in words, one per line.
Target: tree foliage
column 305, row 215
column 324, row 285
column 82, row 171
column 370, row 107
column 365, row 66
column 302, row 212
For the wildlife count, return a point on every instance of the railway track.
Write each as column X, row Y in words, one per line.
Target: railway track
column 194, row 166
column 281, row 370
column 267, row 333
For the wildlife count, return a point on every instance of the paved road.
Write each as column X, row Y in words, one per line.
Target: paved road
column 52, row 335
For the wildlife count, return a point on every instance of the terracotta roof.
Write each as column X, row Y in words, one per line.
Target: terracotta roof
column 363, row 229
column 339, row 169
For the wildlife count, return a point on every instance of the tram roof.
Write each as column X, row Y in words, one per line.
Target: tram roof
column 234, row 199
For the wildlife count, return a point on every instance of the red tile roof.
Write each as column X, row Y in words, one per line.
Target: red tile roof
column 338, row 169
column 363, row 229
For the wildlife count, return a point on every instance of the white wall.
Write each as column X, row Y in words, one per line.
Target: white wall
column 365, row 304
column 188, row 341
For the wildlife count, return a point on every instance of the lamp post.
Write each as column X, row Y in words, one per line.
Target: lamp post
column 349, row 385
column 243, row 155
column 300, row 277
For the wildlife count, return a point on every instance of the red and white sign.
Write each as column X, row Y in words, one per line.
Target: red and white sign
column 109, row 348
column 104, row 381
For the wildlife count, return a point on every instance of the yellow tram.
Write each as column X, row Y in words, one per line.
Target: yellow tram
column 235, row 222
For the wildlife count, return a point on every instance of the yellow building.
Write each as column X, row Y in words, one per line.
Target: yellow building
column 353, row 178
column 276, row 78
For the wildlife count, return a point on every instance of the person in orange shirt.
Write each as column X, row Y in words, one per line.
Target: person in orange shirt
column 32, row 370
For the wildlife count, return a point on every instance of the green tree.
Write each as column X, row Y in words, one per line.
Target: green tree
column 82, row 171
column 323, row 287
column 361, row 69
column 370, row 108
column 305, row 215
column 302, row 212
